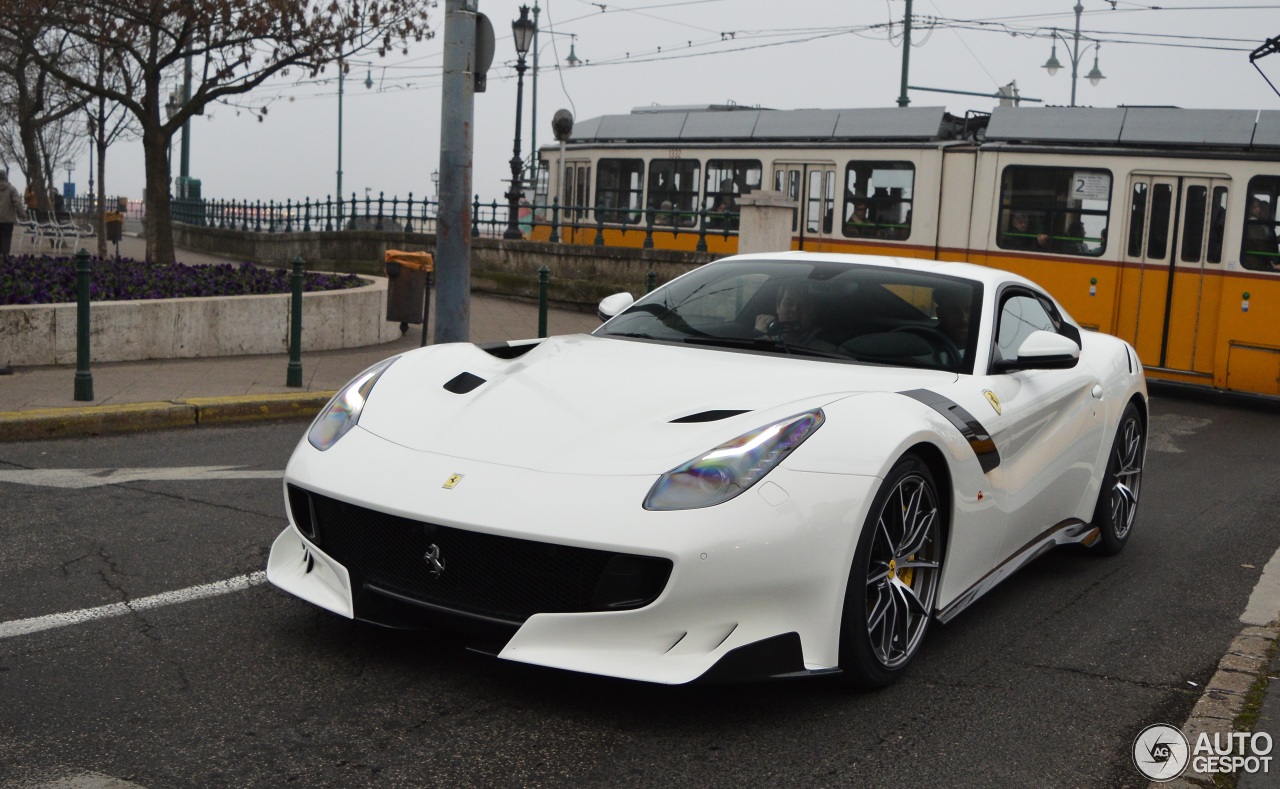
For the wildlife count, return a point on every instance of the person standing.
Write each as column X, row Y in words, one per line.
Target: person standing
column 11, row 208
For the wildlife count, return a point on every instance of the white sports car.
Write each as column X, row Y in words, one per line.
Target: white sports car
column 773, row 466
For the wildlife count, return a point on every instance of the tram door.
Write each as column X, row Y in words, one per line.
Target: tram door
column 813, row 186
column 1169, row 308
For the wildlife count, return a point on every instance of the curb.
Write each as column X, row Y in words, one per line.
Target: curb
column 1226, row 695
column 44, row 423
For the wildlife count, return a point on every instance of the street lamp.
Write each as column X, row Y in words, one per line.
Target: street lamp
column 368, row 83
column 522, row 31
column 1074, row 53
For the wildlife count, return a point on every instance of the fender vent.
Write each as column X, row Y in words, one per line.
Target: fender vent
column 708, row 416
column 463, row 383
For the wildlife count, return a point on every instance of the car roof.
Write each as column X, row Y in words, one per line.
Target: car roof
column 990, row 277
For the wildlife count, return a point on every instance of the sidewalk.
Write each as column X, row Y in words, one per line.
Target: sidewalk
column 248, row 386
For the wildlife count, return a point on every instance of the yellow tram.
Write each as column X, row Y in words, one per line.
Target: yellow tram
column 1155, row 224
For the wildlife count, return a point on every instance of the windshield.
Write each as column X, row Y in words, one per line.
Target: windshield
column 815, row 309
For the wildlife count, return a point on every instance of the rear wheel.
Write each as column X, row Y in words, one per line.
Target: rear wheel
column 893, row 582
column 1118, row 499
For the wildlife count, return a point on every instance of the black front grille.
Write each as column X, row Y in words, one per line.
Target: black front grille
column 498, row 577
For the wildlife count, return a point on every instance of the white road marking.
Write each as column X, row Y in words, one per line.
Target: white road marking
column 1165, row 427
column 22, row 627
column 90, row 781
column 1264, row 602
column 95, row 477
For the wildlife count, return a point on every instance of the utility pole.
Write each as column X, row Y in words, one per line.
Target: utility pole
column 906, row 55
column 453, row 226
column 1075, row 53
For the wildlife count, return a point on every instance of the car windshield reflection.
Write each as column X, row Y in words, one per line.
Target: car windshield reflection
column 824, row 310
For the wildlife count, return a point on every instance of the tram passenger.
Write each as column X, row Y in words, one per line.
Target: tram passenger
column 1073, row 242
column 664, row 215
column 1260, row 239
column 1020, row 236
column 859, row 224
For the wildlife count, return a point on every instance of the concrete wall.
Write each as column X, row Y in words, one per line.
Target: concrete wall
column 580, row 275
column 182, row 328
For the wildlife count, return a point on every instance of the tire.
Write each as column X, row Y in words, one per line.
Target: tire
column 893, row 582
column 1117, row 505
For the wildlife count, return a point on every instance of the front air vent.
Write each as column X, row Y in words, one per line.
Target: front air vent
column 708, row 416
column 505, row 350
column 463, row 383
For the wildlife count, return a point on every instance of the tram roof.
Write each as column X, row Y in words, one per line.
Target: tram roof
column 736, row 123
column 1145, row 126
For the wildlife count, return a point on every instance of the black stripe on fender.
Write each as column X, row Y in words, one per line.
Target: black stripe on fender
column 968, row 425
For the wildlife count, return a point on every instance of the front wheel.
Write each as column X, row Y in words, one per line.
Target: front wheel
column 893, row 582
column 1117, row 505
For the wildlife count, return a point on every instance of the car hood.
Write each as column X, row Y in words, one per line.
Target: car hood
column 580, row 404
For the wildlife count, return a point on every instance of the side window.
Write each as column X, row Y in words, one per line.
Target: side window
column 1059, row 210
column 1019, row 316
column 619, row 184
column 877, row 200
column 673, row 190
column 1259, row 250
column 727, row 179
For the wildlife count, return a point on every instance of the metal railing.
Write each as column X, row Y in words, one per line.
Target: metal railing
column 559, row 223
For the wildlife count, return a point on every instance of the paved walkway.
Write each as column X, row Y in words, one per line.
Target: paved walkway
column 163, row 380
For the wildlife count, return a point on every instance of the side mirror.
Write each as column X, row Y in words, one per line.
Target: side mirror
column 612, row 305
column 1042, row 350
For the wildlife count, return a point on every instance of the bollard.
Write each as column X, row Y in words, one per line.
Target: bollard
column 651, row 281
column 544, row 274
column 84, row 378
column 294, row 376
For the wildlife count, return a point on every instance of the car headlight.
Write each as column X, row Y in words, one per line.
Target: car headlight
column 732, row 467
column 343, row 411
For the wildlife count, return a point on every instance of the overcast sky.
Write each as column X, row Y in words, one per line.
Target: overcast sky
column 782, row 55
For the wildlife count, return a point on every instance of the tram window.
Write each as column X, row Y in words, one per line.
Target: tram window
column 1193, row 223
column 1259, row 250
column 1137, row 219
column 877, row 200
column 576, row 177
column 673, row 190
column 727, row 180
column 1158, row 235
column 1054, row 209
column 619, row 184
column 1217, row 224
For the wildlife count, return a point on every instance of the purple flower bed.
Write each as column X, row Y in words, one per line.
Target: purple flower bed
column 42, row 279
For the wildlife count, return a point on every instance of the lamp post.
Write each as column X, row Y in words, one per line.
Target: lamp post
column 522, row 31
column 1052, row 65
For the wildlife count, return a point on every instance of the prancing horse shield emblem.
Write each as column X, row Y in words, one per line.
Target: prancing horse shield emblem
column 995, row 401
column 432, row 557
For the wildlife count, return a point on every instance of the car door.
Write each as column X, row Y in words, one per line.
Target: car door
column 1047, row 423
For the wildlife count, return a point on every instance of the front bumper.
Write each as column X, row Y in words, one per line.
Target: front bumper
column 771, row 562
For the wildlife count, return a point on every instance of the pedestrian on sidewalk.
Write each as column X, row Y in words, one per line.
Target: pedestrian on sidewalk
column 10, row 209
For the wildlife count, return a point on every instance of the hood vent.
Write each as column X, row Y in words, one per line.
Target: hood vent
column 505, row 350
column 463, row 383
column 708, row 416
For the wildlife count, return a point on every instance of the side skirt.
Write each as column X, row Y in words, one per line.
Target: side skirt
column 1070, row 531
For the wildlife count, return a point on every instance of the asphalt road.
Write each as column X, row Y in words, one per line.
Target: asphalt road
column 1045, row 682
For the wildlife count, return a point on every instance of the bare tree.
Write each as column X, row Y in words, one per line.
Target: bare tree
column 39, row 136
column 237, row 44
